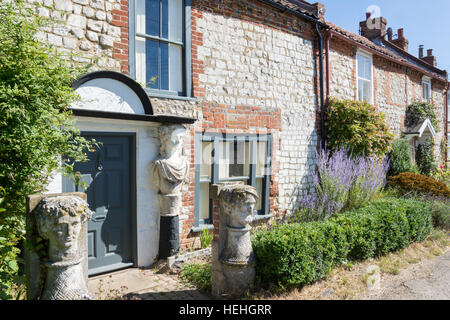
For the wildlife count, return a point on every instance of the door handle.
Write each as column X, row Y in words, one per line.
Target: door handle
column 99, row 218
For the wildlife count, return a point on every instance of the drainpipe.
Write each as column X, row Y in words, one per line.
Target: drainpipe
column 446, row 122
column 322, row 100
column 327, row 71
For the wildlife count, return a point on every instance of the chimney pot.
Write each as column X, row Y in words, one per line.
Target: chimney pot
column 400, row 33
column 421, row 51
column 429, row 52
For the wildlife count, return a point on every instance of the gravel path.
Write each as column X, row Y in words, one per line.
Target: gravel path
column 425, row 281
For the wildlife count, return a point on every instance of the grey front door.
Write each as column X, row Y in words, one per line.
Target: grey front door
column 109, row 176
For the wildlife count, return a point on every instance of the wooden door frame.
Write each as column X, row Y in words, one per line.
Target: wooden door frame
column 133, row 186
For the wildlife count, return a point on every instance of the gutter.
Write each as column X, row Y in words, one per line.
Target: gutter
column 317, row 24
column 446, row 121
column 322, row 104
column 294, row 12
column 380, row 54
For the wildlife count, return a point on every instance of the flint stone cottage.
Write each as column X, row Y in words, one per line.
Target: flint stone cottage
column 248, row 80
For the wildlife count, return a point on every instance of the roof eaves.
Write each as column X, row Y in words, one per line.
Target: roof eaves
column 382, row 51
column 413, row 58
column 298, row 6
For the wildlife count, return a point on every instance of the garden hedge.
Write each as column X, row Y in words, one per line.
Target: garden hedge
column 301, row 253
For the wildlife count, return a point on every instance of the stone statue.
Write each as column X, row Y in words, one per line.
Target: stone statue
column 169, row 173
column 233, row 270
column 59, row 220
column 171, row 169
column 238, row 202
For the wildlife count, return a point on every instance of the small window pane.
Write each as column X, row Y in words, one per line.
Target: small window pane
column 204, row 202
column 165, row 19
column 175, row 68
column 259, row 190
column 152, row 73
column 164, row 52
column 364, row 67
column 224, row 159
column 176, row 20
column 141, row 73
column 152, row 21
column 364, row 90
column 234, row 159
column 205, row 166
column 426, row 91
column 140, row 16
column 261, row 158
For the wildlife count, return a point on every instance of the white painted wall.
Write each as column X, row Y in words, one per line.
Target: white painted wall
column 147, row 206
column 114, row 96
column 108, row 95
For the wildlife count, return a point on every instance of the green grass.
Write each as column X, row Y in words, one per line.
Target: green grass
column 197, row 274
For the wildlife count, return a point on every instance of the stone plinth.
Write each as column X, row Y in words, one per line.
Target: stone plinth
column 233, row 260
column 58, row 224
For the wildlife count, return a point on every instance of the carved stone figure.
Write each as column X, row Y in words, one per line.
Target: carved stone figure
column 171, row 169
column 233, row 258
column 169, row 172
column 59, row 220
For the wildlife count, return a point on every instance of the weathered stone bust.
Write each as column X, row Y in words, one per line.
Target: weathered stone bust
column 233, row 270
column 238, row 203
column 171, row 169
column 59, row 220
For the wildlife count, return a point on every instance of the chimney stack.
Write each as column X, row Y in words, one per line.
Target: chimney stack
column 319, row 10
column 401, row 41
column 430, row 59
column 373, row 28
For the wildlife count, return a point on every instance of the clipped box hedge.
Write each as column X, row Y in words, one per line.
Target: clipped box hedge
column 301, row 253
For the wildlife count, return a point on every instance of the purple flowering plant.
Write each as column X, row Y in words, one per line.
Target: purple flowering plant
column 342, row 182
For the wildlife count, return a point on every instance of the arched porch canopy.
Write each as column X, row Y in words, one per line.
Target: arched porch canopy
column 113, row 95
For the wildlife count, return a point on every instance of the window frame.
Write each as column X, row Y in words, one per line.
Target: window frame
column 369, row 56
column 427, row 80
column 186, row 53
column 215, row 139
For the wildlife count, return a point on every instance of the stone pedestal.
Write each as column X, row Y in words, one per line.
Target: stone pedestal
column 233, row 260
column 169, row 242
column 169, row 173
column 58, row 223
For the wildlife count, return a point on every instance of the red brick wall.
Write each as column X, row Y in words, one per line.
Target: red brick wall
column 236, row 118
column 120, row 50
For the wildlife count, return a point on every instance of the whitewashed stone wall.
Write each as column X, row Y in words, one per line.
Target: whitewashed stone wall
column 341, row 82
column 390, row 105
column 81, row 29
column 438, row 96
column 246, row 64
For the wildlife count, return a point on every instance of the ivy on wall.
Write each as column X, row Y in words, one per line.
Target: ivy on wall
column 418, row 111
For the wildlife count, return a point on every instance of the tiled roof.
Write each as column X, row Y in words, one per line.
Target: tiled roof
column 381, row 48
column 298, row 5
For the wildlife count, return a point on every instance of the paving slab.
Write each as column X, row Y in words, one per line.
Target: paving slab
column 142, row 284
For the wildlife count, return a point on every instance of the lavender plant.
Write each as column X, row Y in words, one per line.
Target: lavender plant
column 342, row 181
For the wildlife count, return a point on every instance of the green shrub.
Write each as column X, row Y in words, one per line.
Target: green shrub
column 198, row 274
column 425, row 158
column 418, row 111
column 358, row 127
column 35, row 126
column 440, row 211
column 409, row 182
column 301, row 253
column 400, row 157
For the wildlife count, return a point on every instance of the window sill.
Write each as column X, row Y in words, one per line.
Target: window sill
column 202, row 227
column 169, row 96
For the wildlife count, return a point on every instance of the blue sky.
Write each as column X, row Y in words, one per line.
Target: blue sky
column 424, row 22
